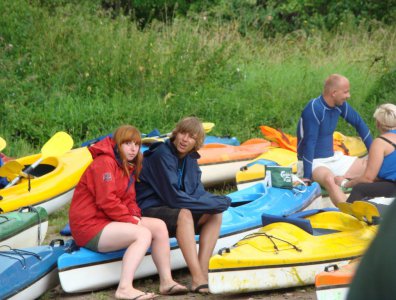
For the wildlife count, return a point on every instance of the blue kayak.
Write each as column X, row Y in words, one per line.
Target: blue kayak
column 209, row 139
column 30, row 272
column 79, row 271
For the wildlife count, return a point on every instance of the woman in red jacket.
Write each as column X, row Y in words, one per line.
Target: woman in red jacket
column 104, row 215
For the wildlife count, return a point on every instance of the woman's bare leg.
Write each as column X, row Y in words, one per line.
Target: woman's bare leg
column 136, row 239
column 161, row 255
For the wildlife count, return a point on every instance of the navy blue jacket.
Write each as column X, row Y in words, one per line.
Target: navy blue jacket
column 165, row 180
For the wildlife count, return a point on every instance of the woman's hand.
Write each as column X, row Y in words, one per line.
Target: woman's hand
column 338, row 180
column 137, row 219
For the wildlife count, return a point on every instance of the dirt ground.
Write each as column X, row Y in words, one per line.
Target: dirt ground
column 151, row 285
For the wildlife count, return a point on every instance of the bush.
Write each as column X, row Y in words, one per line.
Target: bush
column 383, row 90
column 269, row 16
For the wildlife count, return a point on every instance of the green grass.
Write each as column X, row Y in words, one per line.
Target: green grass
column 77, row 69
column 74, row 68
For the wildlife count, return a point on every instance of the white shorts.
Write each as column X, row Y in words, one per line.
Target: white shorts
column 338, row 164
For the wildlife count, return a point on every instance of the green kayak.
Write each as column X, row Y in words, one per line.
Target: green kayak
column 26, row 227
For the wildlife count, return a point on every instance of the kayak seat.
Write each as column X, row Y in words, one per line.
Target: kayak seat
column 40, row 170
column 304, row 224
column 307, row 213
column 298, row 221
column 323, row 231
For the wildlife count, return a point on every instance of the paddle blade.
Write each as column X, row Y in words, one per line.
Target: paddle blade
column 208, row 126
column 365, row 211
column 58, row 144
column 362, row 210
column 11, row 170
column 3, row 143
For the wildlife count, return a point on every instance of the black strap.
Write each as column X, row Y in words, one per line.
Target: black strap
column 390, row 142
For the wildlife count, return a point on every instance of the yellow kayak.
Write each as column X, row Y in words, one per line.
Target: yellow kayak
column 52, row 184
column 254, row 171
column 220, row 162
column 290, row 251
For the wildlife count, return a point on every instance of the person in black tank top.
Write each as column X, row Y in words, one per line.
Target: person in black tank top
column 379, row 178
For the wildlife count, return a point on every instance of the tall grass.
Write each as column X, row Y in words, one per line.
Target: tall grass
column 75, row 68
column 78, row 69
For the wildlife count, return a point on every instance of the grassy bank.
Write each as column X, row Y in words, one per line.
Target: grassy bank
column 74, row 68
column 78, row 69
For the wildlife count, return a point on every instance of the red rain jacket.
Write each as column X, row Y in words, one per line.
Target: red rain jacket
column 103, row 195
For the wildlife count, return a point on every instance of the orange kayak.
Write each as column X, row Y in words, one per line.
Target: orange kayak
column 333, row 283
column 353, row 146
column 219, row 162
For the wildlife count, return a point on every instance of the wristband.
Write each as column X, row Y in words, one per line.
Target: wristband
column 344, row 182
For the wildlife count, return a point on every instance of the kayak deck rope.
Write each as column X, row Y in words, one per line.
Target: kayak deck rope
column 272, row 240
column 18, row 254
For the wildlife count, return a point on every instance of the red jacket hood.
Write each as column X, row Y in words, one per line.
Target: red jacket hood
column 103, row 147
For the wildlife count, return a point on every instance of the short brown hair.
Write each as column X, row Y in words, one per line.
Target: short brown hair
column 128, row 133
column 192, row 126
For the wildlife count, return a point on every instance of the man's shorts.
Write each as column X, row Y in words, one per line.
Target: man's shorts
column 338, row 164
column 169, row 216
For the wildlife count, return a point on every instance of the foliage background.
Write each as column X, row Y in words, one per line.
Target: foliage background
column 88, row 66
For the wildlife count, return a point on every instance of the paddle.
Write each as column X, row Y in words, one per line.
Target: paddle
column 362, row 210
column 11, row 170
column 208, row 126
column 3, row 143
column 57, row 145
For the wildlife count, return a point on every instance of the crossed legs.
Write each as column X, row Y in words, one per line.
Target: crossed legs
column 325, row 178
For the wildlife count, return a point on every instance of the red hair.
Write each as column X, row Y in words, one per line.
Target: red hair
column 124, row 134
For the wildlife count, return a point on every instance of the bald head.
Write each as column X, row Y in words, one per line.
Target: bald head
column 336, row 89
column 333, row 82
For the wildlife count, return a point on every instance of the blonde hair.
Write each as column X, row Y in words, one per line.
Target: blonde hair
column 385, row 114
column 124, row 134
column 192, row 126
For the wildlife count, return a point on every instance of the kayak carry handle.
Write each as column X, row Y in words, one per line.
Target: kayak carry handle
column 28, row 208
column 331, row 268
column 60, row 241
column 225, row 249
